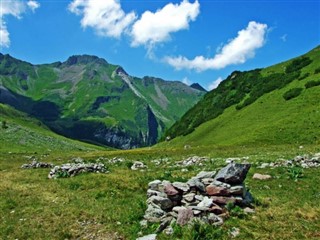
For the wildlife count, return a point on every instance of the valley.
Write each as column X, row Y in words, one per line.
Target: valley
column 253, row 117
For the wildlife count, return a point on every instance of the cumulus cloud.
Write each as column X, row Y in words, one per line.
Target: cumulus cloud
column 15, row 8
column 105, row 16
column 215, row 83
column 237, row 51
column 33, row 5
column 156, row 27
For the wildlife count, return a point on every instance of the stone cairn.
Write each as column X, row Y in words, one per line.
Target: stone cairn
column 73, row 169
column 203, row 197
column 36, row 164
column 304, row 161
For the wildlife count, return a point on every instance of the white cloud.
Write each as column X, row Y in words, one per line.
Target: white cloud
column 237, row 51
column 156, row 27
column 15, row 8
column 215, row 83
column 33, row 5
column 186, row 81
column 105, row 16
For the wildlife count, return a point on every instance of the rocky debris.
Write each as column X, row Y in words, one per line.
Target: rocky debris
column 195, row 160
column 36, row 164
column 304, row 161
column 115, row 160
column 73, row 169
column 261, row 176
column 202, row 198
column 234, row 232
column 148, row 237
column 138, row 165
column 160, row 161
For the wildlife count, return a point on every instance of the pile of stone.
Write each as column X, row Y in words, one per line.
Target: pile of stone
column 203, row 198
column 115, row 160
column 73, row 169
column 36, row 164
column 137, row 165
column 304, row 161
column 195, row 160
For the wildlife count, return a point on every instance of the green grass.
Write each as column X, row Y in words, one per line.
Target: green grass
column 28, row 135
column 105, row 206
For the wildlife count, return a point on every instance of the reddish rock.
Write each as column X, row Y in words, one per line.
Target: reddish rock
column 213, row 190
column 184, row 216
column 223, row 200
column 170, row 190
column 216, row 210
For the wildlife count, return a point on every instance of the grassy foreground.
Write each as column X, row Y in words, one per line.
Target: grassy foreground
column 110, row 206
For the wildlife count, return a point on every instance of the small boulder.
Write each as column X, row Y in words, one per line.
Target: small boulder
column 259, row 176
column 138, row 165
column 233, row 173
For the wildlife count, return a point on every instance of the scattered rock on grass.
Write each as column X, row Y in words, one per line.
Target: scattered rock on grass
column 138, row 165
column 73, row 169
column 36, row 164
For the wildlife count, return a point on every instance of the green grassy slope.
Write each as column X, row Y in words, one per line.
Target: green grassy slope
column 269, row 119
column 20, row 133
column 87, row 98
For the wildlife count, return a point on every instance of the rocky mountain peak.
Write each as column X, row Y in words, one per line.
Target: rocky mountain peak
column 198, row 87
column 84, row 59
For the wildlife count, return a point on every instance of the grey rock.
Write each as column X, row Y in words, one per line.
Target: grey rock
column 261, row 176
column 237, row 190
column 204, row 174
column 206, row 203
column 154, row 185
column 178, row 208
column 197, row 184
column 164, row 224
column 154, row 193
column 233, row 173
column 168, row 231
column 163, row 203
column 184, row 187
column 189, row 197
column 215, row 220
column 138, row 165
column 221, row 184
column 248, row 210
column 148, row 237
column 234, row 232
column 207, row 181
column 153, row 213
column 36, row 164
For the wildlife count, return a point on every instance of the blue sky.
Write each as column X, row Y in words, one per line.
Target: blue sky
column 192, row 41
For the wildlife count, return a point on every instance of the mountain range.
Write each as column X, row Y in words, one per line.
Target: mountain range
column 89, row 99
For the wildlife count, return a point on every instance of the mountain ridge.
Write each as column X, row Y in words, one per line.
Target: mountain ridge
column 87, row 98
column 256, row 104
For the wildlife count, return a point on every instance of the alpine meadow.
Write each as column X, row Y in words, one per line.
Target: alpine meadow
column 155, row 120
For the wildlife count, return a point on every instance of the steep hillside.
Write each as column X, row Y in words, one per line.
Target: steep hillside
column 87, row 98
column 21, row 133
column 278, row 104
